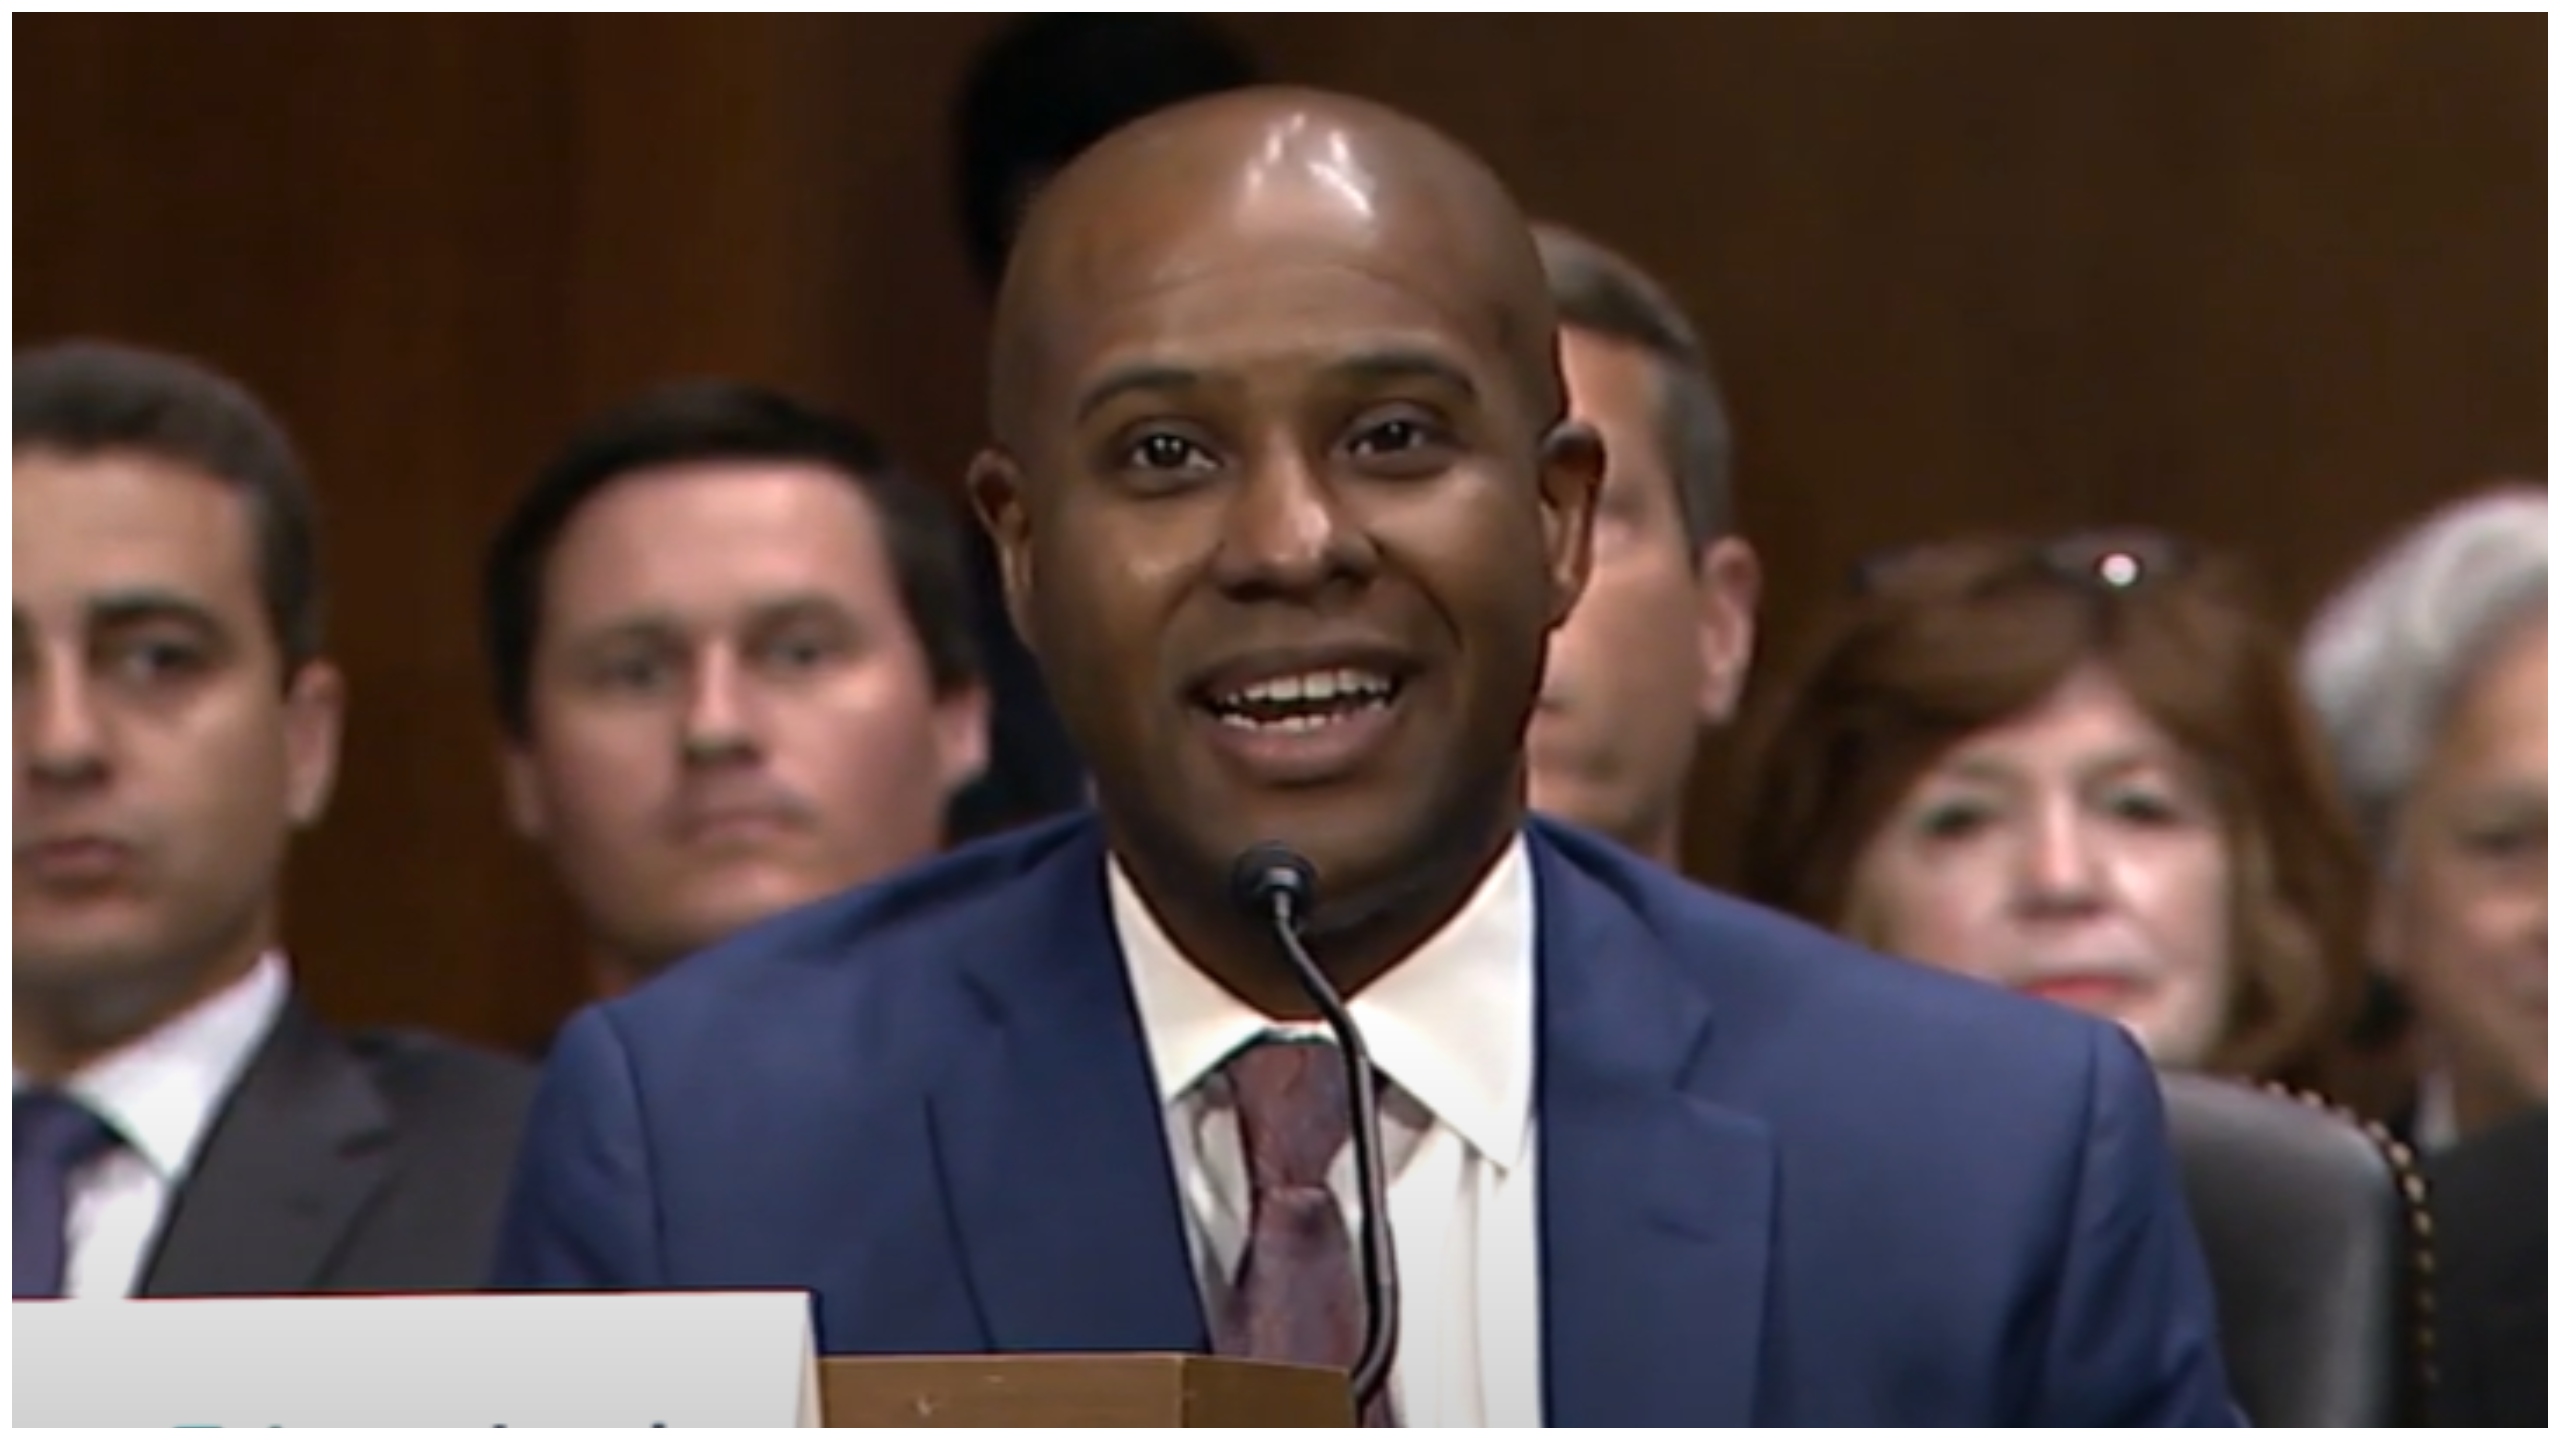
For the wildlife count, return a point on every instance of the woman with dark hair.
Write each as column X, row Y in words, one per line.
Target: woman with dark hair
column 2078, row 768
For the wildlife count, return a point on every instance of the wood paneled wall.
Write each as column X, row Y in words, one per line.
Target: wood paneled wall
column 2277, row 281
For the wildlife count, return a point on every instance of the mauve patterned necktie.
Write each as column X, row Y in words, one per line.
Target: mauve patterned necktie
column 1297, row 1297
column 54, row 1135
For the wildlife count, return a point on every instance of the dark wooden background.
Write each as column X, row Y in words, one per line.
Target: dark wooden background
column 2276, row 281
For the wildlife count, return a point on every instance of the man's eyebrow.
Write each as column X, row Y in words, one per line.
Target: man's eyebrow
column 1366, row 367
column 657, row 626
column 1405, row 364
column 1143, row 375
column 791, row 606
column 654, row 627
column 145, row 604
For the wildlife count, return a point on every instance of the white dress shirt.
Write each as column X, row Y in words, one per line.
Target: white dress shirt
column 160, row 1094
column 1452, row 1031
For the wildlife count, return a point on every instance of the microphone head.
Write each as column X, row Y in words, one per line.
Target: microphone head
column 1267, row 871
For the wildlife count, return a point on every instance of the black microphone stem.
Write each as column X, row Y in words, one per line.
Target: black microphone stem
column 1377, row 1245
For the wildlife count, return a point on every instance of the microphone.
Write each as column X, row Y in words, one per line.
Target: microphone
column 1276, row 884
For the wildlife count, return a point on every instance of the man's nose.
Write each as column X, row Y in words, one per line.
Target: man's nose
column 62, row 733
column 719, row 709
column 1288, row 529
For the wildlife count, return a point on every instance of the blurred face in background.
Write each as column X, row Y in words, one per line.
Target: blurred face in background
column 2464, row 912
column 2073, row 853
column 731, row 712
column 163, row 754
column 1660, row 640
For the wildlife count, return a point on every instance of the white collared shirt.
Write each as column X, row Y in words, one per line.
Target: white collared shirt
column 160, row 1094
column 1452, row 1031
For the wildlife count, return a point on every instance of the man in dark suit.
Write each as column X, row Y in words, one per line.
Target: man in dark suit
column 1288, row 505
column 182, row 1124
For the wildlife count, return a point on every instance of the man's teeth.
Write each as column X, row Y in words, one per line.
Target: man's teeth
column 1303, row 701
column 1316, row 688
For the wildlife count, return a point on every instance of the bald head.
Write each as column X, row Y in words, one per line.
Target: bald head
column 1279, row 417
column 1272, row 177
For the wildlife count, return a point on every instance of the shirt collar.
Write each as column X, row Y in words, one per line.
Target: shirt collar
column 1452, row 1026
column 162, row 1091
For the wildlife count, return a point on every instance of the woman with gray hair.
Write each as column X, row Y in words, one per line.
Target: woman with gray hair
column 2430, row 670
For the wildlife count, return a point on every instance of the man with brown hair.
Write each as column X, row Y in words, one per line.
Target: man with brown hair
column 730, row 640
column 1661, row 640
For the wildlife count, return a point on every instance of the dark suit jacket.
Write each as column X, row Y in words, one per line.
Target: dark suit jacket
column 2492, row 1195
column 1782, row 1180
column 362, row 1162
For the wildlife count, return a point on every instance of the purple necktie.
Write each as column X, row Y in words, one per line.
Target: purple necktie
column 52, row 1135
column 1297, row 1298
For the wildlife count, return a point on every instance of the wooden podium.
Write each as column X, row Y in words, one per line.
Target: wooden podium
column 1010, row 1391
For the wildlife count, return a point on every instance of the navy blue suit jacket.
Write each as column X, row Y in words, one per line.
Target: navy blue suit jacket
column 1783, row 1181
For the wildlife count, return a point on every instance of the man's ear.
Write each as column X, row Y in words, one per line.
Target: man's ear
column 995, row 494
column 1570, row 466
column 1728, row 611
column 315, row 712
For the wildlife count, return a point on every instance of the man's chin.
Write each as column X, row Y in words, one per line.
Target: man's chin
column 67, row 959
column 742, row 899
column 1341, row 840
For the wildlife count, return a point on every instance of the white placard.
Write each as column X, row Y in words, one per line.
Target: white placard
column 419, row 1360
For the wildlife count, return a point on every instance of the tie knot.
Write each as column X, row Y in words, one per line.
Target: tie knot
column 50, row 1129
column 1292, row 1103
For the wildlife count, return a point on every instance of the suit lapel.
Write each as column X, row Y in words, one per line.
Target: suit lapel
column 292, row 1159
column 1051, row 1141
column 1656, row 1204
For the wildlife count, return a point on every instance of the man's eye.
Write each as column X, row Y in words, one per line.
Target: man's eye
column 1402, row 446
column 1161, row 451
column 1390, row 437
column 636, row 674
column 797, row 652
column 154, row 660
